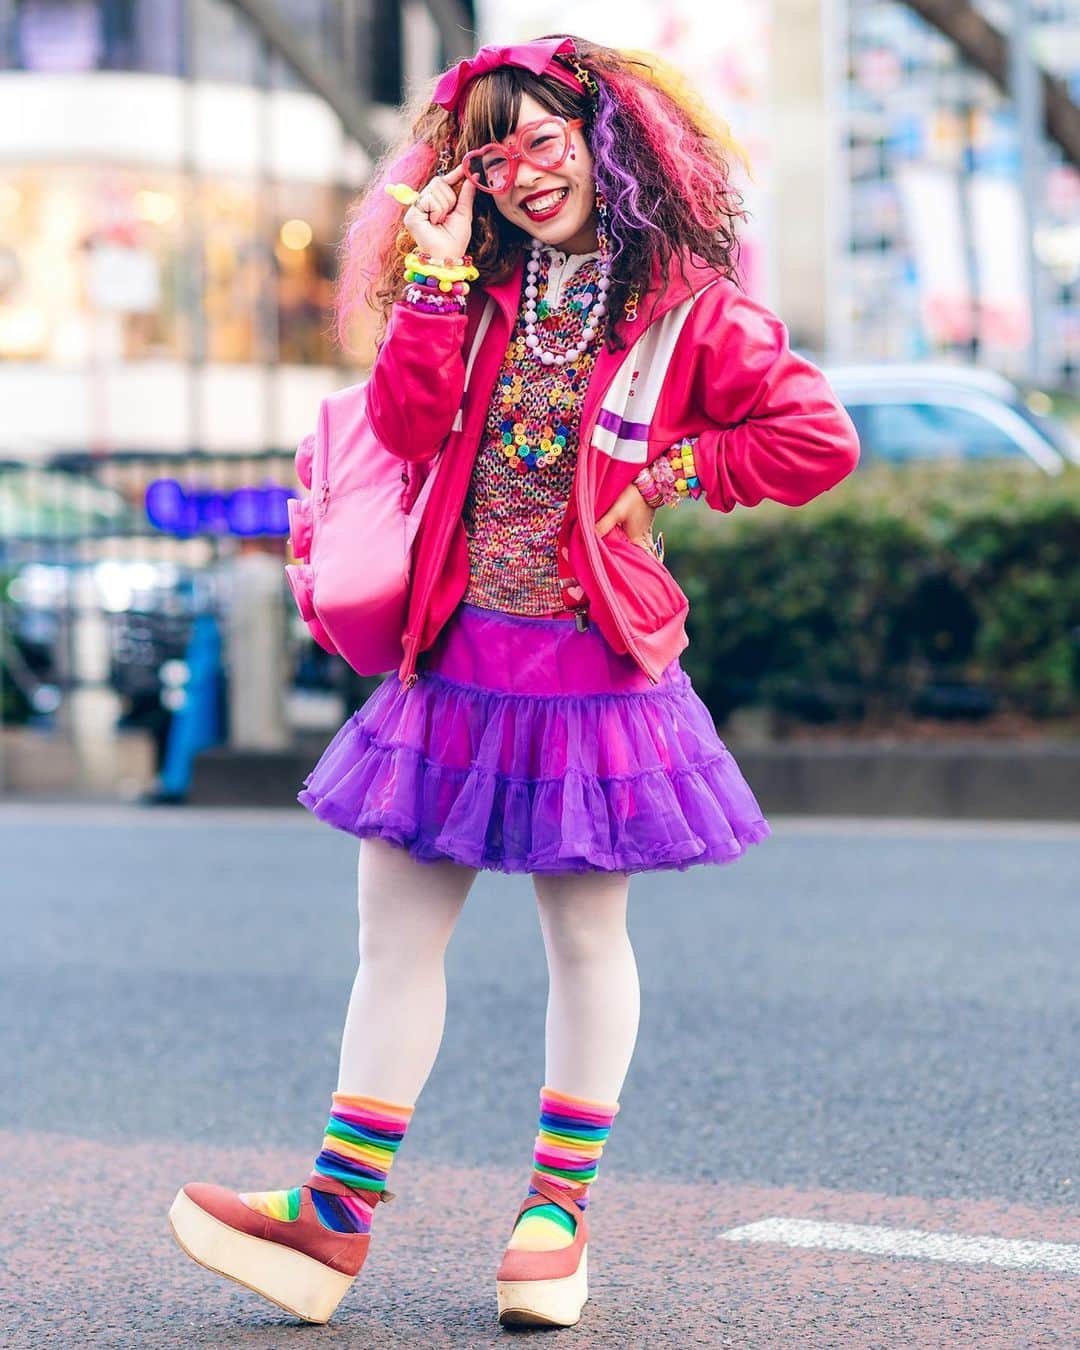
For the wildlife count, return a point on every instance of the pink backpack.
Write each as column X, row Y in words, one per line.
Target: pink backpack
column 353, row 535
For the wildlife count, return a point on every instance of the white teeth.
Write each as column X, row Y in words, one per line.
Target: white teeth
column 542, row 204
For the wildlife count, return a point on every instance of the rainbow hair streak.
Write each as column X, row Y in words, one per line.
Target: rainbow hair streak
column 678, row 144
column 373, row 225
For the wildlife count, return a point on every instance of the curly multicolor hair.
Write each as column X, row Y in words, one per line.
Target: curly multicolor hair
column 660, row 157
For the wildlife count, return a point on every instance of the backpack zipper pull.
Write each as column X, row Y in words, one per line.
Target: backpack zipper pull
column 581, row 620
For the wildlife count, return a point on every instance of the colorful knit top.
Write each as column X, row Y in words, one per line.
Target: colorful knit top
column 513, row 512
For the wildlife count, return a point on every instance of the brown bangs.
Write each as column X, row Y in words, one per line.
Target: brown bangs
column 493, row 105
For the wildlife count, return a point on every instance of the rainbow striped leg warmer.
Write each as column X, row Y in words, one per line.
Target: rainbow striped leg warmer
column 362, row 1136
column 573, row 1132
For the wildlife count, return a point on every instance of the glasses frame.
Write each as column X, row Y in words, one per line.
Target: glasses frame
column 515, row 155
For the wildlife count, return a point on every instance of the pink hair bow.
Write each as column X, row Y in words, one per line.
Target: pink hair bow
column 536, row 57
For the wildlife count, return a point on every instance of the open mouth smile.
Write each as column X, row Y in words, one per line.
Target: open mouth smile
column 544, row 205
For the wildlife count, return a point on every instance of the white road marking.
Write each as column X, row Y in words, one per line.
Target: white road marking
column 877, row 1241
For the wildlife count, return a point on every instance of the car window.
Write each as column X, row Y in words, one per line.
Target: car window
column 907, row 431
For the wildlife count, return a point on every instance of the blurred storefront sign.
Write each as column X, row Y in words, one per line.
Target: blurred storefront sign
column 932, row 214
column 997, row 233
column 122, row 278
column 247, row 512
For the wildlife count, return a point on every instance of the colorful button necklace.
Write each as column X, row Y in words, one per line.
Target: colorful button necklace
column 529, row 442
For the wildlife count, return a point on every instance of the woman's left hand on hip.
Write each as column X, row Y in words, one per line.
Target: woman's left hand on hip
column 631, row 512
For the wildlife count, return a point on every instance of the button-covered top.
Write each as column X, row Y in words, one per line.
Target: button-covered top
column 513, row 513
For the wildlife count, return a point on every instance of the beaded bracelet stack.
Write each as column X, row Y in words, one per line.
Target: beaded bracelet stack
column 438, row 287
column 667, row 480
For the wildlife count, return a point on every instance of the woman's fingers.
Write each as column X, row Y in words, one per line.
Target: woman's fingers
column 440, row 215
column 631, row 512
column 438, row 200
column 466, row 198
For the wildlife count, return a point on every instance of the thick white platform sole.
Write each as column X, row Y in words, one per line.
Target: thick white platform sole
column 545, row 1303
column 302, row 1286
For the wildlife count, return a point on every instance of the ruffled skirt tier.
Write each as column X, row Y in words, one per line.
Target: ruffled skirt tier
column 527, row 746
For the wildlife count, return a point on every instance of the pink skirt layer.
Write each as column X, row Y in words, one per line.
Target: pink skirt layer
column 527, row 746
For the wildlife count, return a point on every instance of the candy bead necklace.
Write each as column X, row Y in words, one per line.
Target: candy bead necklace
column 593, row 324
column 534, row 441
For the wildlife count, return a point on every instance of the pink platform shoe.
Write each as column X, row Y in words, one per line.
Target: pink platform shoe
column 299, row 1264
column 546, row 1289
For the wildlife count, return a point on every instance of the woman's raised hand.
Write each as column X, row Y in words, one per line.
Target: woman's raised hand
column 440, row 220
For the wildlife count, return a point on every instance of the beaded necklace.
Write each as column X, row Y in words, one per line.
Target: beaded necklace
column 534, row 442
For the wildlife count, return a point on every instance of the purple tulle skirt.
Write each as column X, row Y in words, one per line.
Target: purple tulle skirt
column 527, row 746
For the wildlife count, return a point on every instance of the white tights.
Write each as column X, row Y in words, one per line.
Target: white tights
column 397, row 1009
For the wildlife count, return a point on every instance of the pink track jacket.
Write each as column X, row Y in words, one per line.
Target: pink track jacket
column 702, row 359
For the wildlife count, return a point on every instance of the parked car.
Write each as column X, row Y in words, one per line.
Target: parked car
column 911, row 413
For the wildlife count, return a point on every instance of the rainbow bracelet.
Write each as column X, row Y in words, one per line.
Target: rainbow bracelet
column 646, row 485
column 434, row 283
column 434, row 302
column 420, row 268
column 426, row 263
column 681, row 458
column 671, row 477
column 664, row 477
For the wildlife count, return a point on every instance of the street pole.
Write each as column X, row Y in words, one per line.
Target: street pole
column 1026, row 81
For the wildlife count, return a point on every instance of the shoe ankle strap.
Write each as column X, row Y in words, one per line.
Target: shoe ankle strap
column 319, row 1181
column 563, row 1196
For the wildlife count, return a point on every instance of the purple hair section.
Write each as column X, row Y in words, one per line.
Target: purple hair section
column 620, row 188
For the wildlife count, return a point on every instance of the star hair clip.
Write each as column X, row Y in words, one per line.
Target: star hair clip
column 586, row 78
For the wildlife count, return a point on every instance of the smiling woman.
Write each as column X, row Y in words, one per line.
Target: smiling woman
column 566, row 348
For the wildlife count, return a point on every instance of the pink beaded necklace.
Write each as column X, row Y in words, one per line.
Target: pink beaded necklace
column 533, row 441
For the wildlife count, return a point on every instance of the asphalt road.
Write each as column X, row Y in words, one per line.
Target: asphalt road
column 870, row 1028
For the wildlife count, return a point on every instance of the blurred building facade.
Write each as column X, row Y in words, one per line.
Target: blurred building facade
column 885, row 209
column 174, row 175
column 171, row 197
column 931, row 242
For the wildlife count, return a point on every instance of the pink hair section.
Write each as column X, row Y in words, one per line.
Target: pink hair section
column 676, row 144
column 374, row 223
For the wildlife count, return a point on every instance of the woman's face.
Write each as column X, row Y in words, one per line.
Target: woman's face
column 568, row 191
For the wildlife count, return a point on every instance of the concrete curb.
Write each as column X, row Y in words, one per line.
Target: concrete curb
column 1006, row 780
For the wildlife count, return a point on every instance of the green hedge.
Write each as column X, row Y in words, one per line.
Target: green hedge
column 947, row 592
